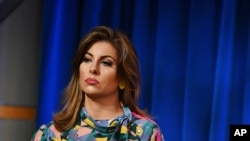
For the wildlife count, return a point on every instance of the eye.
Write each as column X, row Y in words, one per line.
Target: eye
column 107, row 63
column 86, row 60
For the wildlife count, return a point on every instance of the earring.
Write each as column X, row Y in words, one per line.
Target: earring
column 121, row 86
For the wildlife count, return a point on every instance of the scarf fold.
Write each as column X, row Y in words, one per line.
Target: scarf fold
column 115, row 128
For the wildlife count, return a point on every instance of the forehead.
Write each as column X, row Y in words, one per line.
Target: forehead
column 102, row 48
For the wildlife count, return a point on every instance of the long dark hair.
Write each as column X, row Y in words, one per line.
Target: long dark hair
column 128, row 72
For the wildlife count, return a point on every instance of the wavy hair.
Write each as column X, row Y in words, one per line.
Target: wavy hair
column 128, row 73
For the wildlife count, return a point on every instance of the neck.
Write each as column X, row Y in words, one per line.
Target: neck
column 103, row 108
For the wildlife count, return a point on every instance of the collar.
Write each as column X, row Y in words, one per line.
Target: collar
column 108, row 126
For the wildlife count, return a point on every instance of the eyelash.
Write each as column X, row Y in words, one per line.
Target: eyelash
column 105, row 63
column 86, row 60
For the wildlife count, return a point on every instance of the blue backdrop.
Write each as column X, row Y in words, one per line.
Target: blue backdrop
column 194, row 57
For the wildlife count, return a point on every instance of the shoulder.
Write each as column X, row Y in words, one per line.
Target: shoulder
column 45, row 132
column 144, row 121
column 146, row 128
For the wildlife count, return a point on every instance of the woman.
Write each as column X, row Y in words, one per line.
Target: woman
column 100, row 102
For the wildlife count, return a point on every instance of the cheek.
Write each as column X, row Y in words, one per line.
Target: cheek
column 112, row 78
column 81, row 73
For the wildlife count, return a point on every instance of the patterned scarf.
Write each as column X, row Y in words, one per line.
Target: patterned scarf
column 115, row 129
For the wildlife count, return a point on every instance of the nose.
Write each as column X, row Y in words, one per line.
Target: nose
column 94, row 68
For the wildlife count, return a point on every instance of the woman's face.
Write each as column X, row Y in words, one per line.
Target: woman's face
column 98, row 70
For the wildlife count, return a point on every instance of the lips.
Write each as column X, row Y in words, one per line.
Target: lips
column 91, row 81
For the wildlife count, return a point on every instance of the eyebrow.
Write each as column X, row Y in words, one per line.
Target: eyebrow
column 104, row 56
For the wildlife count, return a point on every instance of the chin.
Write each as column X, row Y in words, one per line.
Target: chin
column 92, row 92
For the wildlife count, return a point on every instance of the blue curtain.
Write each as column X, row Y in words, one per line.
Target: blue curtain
column 194, row 58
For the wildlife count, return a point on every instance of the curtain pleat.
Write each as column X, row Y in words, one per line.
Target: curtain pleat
column 60, row 37
column 200, row 62
column 223, row 72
